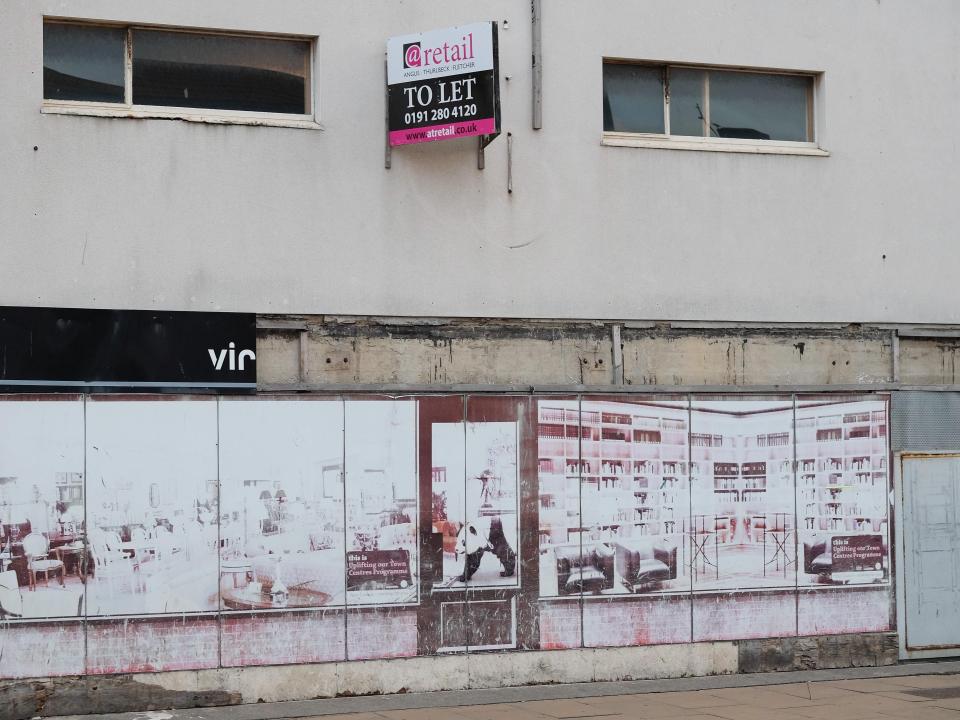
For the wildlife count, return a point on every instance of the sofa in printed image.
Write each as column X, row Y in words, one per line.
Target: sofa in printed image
column 587, row 569
column 643, row 562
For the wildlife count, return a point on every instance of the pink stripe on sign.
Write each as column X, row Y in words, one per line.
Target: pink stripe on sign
column 448, row 131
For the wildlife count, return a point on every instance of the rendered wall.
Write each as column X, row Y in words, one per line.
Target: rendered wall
column 599, row 523
column 166, row 214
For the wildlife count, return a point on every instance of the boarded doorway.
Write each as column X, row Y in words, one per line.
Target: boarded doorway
column 931, row 555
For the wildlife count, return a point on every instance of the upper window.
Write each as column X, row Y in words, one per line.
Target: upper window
column 706, row 104
column 147, row 71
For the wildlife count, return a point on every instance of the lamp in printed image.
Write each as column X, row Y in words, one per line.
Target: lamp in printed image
column 279, row 595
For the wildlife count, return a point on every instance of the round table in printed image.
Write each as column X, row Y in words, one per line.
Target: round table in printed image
column 77, row 552
column 234, row 568
column 246, row 599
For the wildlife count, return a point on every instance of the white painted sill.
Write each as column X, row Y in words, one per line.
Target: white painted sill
column 221, row 117
column 728, row 145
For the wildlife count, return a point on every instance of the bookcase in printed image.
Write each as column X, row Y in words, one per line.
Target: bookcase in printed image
column 742, row 525
column 842, row 483
column 559, row 470
column 613, row 479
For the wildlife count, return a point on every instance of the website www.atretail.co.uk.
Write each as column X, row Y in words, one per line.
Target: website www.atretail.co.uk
column 442, row 132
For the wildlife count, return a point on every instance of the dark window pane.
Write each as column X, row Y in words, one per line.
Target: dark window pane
column 222, row 72
column 82, row 63
column 760, row 106
column 632, row 98
column 687, row 106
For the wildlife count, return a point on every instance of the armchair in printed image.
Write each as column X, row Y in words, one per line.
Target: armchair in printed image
column 817, row 558
column 587, row 568
column 643, row 563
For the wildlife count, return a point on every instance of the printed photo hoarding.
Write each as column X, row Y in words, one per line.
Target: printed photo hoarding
column 475, row 502
column 613, row 497
column 43, row 558
column 281, row 504
column 843, row 490
column 742, row 529
column 381, row 501
column 152, row 506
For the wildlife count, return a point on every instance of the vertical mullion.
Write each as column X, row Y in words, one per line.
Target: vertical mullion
column 87, row 552
column 688, row 524
column 706, row 104
column 666, row 100
column 579, row 498
column 128, row 70
column 217, row 402
column 343, row 494
column 796, row 524
column 309, row 105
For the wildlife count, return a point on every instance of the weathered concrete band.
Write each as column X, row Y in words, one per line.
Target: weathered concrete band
column 20, row 700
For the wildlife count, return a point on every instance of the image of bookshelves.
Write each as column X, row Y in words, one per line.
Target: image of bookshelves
column 742, row 528
column 842, row 488
column 613, row 496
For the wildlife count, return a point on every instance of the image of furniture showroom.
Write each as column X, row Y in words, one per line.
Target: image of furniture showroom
column 281, row 504
column 44, row 563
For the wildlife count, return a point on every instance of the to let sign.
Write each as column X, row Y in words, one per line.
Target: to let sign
column 443, row 84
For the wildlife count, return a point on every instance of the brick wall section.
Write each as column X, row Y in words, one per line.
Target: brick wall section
column 150, row 645
column 41, row 650
column 636, row 620
column 742, row 615
column 833, row 612
column 282, row 638
column 560, row 624
column 381, row 633
column 626, row 621
column 145, row 645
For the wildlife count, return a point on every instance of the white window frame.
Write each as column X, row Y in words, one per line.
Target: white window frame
column 667, row 141
column 126, row 109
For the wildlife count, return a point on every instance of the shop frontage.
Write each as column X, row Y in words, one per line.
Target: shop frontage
column 156, row 523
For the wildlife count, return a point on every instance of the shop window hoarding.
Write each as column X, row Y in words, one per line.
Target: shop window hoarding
column 169, row 531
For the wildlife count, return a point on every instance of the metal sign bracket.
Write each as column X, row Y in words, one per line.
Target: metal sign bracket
column 483, row 141
column 387, row 150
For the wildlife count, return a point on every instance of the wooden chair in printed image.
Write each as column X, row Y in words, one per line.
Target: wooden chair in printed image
column 155, row 570
column 758, row 528
column 722, row 526
column 36, row 548
column 111, row 565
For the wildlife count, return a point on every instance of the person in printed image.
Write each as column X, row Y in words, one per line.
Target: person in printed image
column 484, row 479
column 38, row 512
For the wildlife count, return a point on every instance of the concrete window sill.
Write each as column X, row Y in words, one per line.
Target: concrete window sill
column 727, row 145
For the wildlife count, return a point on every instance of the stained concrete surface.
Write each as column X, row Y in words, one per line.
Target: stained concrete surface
column 322, row 350
column 916, row 691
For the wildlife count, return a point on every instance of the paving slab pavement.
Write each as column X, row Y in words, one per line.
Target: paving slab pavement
column 914, row 691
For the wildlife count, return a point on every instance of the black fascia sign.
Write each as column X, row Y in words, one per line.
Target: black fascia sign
column 91, row 350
